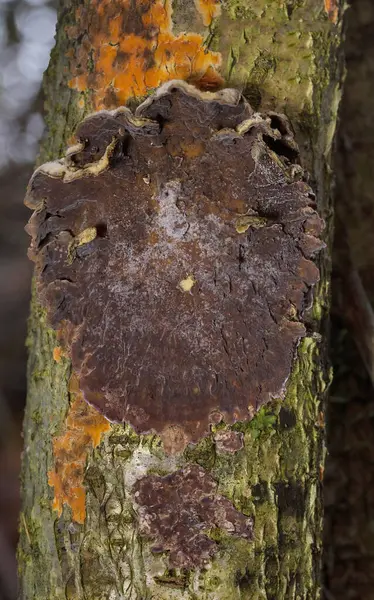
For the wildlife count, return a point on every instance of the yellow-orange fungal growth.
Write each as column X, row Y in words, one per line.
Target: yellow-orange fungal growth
column 133, row 49
column 209, row 10
column 83, row 430
column 331, row 7
column 57, row 354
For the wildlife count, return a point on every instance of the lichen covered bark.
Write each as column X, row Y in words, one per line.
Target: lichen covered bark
column 283, row 56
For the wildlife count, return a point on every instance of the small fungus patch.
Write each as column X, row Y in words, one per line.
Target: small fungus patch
column 179, row 510
column 84, row 427
column 332, row 9
column 209, row 10
column 128, row 212
column 187, row 284
column 57, row 354
column 228, row 441
column 86, row 236
column 244, row 223
column 132, row 49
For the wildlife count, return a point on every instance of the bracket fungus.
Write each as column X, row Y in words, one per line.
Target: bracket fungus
column 174, row 253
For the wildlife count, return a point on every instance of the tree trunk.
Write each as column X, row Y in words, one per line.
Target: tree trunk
column 79, row 531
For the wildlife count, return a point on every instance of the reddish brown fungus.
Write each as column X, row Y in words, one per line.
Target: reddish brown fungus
column 173, row 250
column 178, row 510
column 228, row 441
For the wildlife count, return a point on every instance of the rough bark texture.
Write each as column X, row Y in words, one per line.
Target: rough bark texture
column 283, row 56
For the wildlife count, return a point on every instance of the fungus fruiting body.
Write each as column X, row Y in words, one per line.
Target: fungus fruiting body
column 173, row 252
column 178, row 510
column 209, row 10
column 83, row 430
column 332, row 9
column 129, row 66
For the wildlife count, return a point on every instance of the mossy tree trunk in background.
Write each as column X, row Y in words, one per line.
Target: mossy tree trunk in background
column 80, row 535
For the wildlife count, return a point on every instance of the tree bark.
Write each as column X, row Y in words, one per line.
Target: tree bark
column 79, row 533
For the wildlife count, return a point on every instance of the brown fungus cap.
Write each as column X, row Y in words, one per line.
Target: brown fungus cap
column 173, row 253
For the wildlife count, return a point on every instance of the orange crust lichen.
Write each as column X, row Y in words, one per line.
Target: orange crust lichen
column 57, row 354
column 332, row 9
column 84, row 427
column 132, row 49
column 209, row 10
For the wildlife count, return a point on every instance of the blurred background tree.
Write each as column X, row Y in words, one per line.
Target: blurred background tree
column 26, row 36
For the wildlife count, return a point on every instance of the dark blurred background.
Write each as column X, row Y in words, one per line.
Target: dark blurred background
column 27, row 31
column 26, row 37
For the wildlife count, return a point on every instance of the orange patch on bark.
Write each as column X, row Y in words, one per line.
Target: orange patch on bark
column 331, row 7
column 57, row 353
column 209, row 10
column 83, row 430
column 132, row 49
